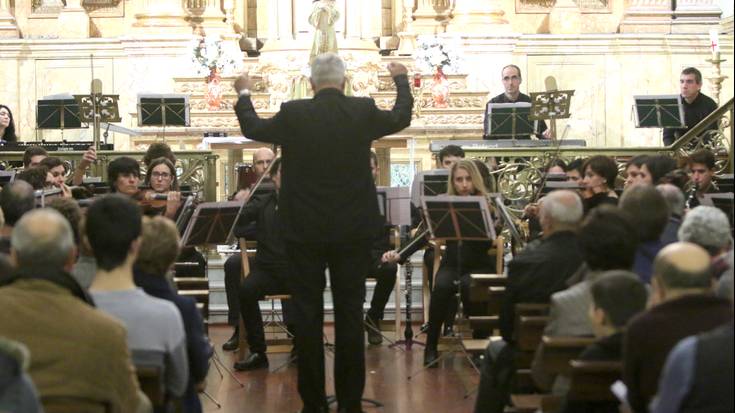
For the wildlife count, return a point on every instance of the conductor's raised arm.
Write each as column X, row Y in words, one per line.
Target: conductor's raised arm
column 386, row 122
column 271, row 130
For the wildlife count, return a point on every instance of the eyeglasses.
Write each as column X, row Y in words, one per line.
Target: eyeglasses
column 161, row 175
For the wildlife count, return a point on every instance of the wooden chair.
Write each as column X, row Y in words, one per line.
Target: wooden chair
column 591, row 380
column 276, row 327
column 72, row 404
column 152, row 384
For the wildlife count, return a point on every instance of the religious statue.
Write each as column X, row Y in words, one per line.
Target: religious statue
column 323, row 16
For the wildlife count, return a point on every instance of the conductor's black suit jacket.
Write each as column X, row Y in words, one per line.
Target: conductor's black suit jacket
column 327, row 190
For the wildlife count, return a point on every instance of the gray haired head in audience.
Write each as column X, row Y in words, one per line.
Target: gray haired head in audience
column 707, row 227
column 327, row 69
column 42, row 239
column 561, row 208
column 17, row 199
column 673, row 197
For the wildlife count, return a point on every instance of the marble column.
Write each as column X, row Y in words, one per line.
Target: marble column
column 695, row 16
column 73, row 20
column 472, row 16
column 161, row 16
column 431, row 16
column 647, row 16
column 8, row 26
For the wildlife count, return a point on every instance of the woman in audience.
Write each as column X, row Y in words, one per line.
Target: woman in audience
column 655, row 168
column 159, row 247
column 161, row 178
column 7, row 125
column 633, row 171
column 457, row 263
column 599, row 180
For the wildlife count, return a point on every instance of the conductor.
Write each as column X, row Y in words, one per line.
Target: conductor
column 328, row 212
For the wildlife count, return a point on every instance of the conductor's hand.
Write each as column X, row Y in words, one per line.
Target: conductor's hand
column 390, row 257
column 396, row 69
column 243, row 82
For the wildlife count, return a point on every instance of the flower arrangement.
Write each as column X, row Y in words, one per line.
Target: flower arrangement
column 432, row 52
column 212, row 53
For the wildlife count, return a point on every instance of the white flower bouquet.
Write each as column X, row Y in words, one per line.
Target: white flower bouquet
column 208, row 53
column 433, row 51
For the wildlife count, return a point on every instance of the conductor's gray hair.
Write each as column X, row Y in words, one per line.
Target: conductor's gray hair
column 327, row 69
column 674, row 198
column 42, row 239
column 562, row 207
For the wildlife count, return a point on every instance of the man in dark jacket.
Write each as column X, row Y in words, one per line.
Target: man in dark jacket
column 683, row 305
column 328, row 211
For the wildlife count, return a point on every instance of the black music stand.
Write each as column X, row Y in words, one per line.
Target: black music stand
column 435, row 185
column 211, row 223
column 508, row 121
column 59, row 113
column 163, row 110
column 458, row 218
column 659, row 111
column 554, row 185
column 7, row 177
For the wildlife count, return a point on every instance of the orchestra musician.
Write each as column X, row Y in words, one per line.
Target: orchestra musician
column 268, row 272
column 701, row 165
column 512, row 79
column 599, row 180
column 457, row 263
column 161, row 178
column 697, row 105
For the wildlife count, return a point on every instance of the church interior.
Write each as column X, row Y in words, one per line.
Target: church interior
column 600, row 134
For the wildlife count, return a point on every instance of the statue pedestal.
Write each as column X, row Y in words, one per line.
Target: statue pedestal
column 407, row 44
column 304, row 44
column 74, row 21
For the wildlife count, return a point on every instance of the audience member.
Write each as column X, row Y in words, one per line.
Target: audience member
column 608, row 242
column 682, row 304
column 633, row 171
column 33, row 156
column 698, row 374
column 616, row 297
column 70, row 210
column 159, row 246
column 16, row 199
column 533, row 276
column 155, row 328
column 77, row 351
column 656, row 167
column 85, row 268
column 675, row 200
column 709, row 228
column 649, row 214
column 17, row 391
column 7, row 125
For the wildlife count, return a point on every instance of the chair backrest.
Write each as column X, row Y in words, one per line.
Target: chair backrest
column 152, row 384
column 529, row 331
column 591, row 380
column 559, row 351
column 71, row 404
column 186, row 269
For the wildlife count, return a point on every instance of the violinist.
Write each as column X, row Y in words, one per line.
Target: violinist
column 161, row 178
column 599, row 179
column 465, row 180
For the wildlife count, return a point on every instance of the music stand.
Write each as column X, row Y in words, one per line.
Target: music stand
column 44, row 195
column 507, row 217
column 163, row 110
column 551, row 105
column 418, row 189
column 659, row 111
column 393, row 203
column 7, row 177
column 554, row 185
column 211, row 223
column 458, row 218
column 508, row 120
column 58, row 113
column 724, row 183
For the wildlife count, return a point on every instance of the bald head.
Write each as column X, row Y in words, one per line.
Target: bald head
column 42, row 240
column 560, row 209
column 262, row 157
column 683, row 266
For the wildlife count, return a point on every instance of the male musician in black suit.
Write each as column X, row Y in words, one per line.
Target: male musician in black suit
column 696, row 104
column 512, row 82
column 328, row 210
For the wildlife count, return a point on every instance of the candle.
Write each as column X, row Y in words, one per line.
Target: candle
column 714, row 41
column 417, row 80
